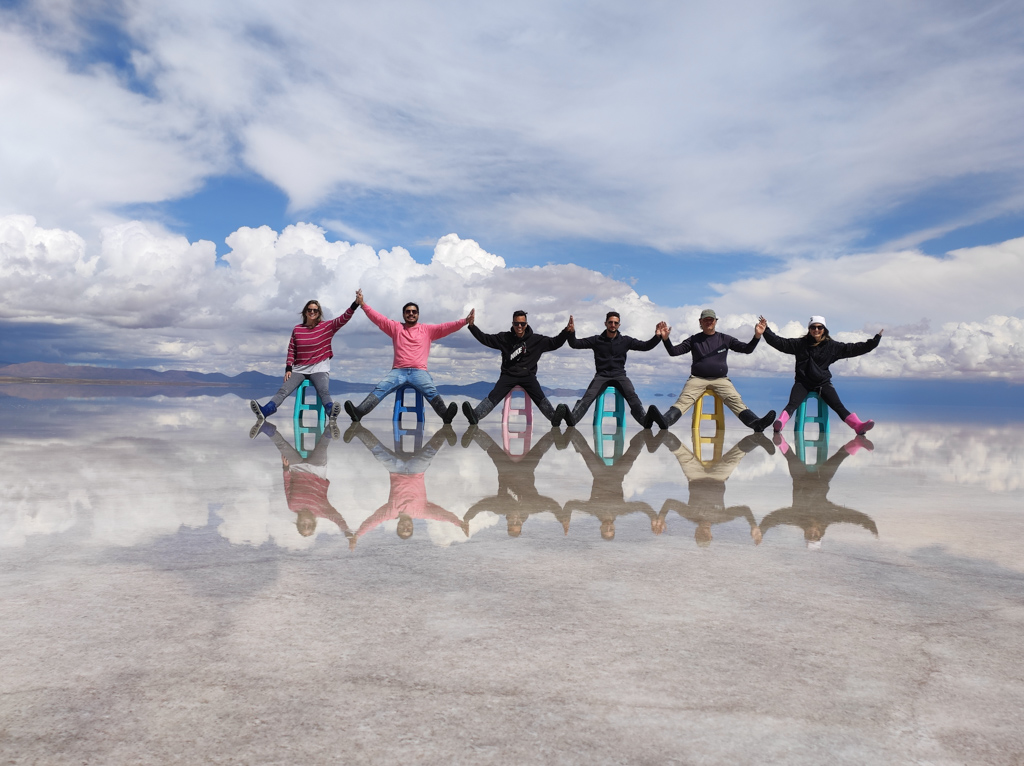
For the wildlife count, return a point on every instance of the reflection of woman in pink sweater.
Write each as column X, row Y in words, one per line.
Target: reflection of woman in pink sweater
column 407, row 499
column 409, row 368
column 306, row 484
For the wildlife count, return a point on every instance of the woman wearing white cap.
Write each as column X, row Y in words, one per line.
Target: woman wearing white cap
column 814, row 352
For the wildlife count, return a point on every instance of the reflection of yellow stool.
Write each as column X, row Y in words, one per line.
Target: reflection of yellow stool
column 717, row 443
column 699, row 416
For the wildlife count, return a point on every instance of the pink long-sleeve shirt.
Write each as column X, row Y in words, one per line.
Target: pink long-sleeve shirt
column 408, row 496
column 412, row 344
column 310, row 345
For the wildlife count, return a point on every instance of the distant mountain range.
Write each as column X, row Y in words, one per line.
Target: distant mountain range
column 58, row 381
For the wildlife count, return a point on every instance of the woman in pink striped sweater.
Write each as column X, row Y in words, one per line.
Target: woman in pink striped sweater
column 309, row 356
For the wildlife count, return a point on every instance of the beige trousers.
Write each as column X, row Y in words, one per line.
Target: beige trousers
column 695, row 386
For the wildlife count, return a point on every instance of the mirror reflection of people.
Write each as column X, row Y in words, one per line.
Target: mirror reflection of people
column 309, row 356
column 705, row 505
column 814, row 353
column 610, row 349
column 407, row 498
column 517, row 497
column 709, row 370
column 306, row 483
column 811, row 510
column 411, row 341
column 521, row 349
column 607, row 498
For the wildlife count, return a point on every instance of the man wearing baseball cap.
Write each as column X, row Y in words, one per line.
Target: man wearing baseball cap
column 710, row 370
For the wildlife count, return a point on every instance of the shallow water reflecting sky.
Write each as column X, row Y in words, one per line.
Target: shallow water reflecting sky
column 128, row 472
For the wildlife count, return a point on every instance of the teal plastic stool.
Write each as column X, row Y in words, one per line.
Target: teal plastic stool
column 820, row 443
column 600, row 413
column 309, row 418
column 401, row 407
column 821, row 418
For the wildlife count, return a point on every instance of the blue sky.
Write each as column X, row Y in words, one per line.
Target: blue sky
column 706, row 153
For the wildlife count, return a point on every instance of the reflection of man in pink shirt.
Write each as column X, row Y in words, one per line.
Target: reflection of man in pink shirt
column 407, row 499
column 409, row 368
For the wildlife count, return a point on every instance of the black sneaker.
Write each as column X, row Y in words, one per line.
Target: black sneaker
column 255, row 407
column 335, row 410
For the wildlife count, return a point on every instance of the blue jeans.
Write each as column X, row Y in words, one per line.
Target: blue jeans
column 407, row 376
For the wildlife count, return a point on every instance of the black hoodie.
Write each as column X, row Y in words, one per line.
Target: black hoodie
column 519, row 356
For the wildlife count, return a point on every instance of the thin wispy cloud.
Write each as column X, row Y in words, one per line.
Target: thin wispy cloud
column 780, row 128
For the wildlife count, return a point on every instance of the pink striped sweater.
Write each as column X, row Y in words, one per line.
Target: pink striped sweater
column 310, row 345
column 412, row 344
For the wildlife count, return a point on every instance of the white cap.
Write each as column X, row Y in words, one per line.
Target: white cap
column 814, row 545
column 818, row 320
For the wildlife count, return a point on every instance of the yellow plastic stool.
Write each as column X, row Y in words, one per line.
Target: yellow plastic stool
column 717, row 415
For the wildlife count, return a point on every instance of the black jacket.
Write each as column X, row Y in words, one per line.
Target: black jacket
column 710, row 352
column 610, row 353
column 519, row 356
column 812, row 362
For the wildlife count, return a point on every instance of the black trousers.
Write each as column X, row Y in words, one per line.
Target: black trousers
column 826, row 391
column 599, row 384
column 507, row 382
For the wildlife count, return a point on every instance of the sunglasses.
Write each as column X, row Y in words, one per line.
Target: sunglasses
column 312, row 310
column 519, row 324
column 411, row 311
column 816, row 327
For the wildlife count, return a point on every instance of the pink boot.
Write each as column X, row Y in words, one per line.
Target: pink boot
column 858, row 425
column 781, row 422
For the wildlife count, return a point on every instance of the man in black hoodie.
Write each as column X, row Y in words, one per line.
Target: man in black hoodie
column 521, row 349
column 610, row 349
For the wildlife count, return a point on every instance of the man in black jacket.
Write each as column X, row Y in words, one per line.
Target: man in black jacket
column 610, row 349
column 521, row 349
column 710, row 370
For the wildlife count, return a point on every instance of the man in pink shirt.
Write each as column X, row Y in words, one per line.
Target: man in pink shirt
column 412, row 347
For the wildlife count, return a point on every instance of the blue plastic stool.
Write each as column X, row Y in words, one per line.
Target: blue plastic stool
column 309, row 418
column 601, row 439
column 600, row 413
column 401, row 407
column 802, row 418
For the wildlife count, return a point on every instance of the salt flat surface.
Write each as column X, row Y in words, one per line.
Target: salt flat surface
column 161, row 603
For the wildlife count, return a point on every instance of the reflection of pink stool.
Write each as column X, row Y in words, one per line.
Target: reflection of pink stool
column 508, row 433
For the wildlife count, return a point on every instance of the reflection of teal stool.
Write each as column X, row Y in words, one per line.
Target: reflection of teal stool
column 821, row 449
column 601, row 439
column 309, row 419
column 802, row 418
column 600, row 413
column 401, row 407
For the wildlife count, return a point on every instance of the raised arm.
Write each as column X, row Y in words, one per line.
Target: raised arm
column 441, row 330
column 645, row 345
column 785, row 345
column 848, row 350
column 491, row 341
column 389, row 326
column 683, row 348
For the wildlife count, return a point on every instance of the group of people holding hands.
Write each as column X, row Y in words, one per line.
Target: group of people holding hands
column 309, row 355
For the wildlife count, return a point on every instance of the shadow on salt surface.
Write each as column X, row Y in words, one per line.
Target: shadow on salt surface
column 129, row 472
